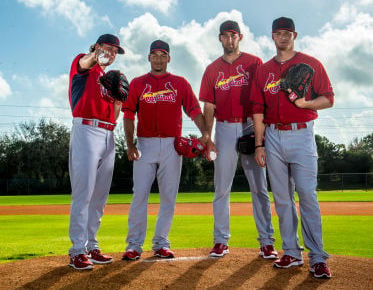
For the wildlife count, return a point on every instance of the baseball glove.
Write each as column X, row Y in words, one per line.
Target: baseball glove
column 189, row 148
column 116, row 85
column 298, row 79
column 246, row 144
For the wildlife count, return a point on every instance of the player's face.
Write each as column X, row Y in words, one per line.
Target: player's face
column 110, row 52
column 284, row 39
column 158, row 62
column 230, row 41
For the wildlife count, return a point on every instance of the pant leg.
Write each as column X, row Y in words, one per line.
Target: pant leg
column 225, row 167
column 256, row 176
column 144, row 171
column 86, row 146
column 303, row 157
column 168, row 177
column 283, row 192
column 101, row 192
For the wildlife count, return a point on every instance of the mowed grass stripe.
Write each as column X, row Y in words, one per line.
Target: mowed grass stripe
column 39, row 235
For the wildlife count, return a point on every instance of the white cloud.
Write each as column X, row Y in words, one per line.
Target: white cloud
column 5, row 89
column 193, row 46
column 76, row 11
column 161, row 5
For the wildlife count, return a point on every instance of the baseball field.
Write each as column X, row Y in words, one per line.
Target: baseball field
column 34, row 243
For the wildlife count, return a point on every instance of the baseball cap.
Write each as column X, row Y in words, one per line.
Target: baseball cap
column 230, row 25
column 283, row 23
column 111, row 40
column 160, row 45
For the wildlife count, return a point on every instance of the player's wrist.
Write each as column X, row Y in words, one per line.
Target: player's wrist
column 259, row 146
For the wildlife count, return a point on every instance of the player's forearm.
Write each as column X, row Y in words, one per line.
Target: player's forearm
column 208, row 112
column 319, row 103
column 117, row 108
column 200, row 122
column 129, row 129
column 87, row 62
column 259, row 129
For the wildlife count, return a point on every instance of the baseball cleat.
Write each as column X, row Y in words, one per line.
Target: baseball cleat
column 320, row 270
column 131, row 255
column 164, row 253
column 96, row 257
column 287, row 261
column 81, row 262
column 219, row 250
column 268, row 252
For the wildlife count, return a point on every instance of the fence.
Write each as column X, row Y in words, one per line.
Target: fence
column 333, row 181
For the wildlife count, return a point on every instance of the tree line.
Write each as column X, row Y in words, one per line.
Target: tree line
column 34, row 160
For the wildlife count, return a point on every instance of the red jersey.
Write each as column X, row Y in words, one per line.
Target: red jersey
column 86, row 94
column 228, row 86
column 157, row 100
column 267, row 98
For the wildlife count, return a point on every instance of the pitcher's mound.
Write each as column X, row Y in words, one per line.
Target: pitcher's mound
column 191, row 269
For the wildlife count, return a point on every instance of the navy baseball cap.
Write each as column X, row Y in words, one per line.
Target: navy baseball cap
column 160, row 45
column 111, row 40
column 230, row 25
column 283, row 23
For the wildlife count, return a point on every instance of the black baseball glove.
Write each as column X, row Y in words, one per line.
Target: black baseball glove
column 116, row 84
column 246, row 144
column 298, row 79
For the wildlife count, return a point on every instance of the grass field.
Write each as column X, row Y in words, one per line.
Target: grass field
column 356, row 195
column 30, row 236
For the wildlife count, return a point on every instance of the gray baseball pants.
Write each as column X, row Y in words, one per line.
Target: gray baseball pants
column 293, row 154
column 159, row 159
column 226, row 135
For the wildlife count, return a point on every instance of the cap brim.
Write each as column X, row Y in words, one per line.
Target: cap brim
column 165, row 51
column 288, row 29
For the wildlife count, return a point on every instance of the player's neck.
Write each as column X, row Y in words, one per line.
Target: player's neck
column 285, row 55
column 231, row 57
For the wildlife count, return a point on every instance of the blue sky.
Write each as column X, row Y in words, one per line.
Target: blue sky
column 41, row 37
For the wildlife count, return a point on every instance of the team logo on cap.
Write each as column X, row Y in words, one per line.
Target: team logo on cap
column 238, row 80
column 167, row 95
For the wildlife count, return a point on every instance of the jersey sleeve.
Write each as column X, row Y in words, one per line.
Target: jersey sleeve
column 190, row 103
column 207, row 92
column 256, row 95
column 129, row 107
column 321, row 84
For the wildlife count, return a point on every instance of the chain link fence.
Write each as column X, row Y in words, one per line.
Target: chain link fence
column 333, row 181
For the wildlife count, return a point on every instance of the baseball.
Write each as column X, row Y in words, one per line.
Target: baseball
column 103, row 58
column 212, row 155
column 139, row 154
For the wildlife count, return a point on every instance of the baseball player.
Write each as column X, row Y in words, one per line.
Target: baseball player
column 290, row 150
column 91, row 158
column 224, row 90
column 157, row 98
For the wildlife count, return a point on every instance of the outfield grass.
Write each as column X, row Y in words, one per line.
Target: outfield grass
column 356, row 195
column 25, row 237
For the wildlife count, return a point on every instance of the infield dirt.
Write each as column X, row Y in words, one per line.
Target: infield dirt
column 241, row 269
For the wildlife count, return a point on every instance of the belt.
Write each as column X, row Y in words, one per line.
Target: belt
column 233, row 120
column 288, row 127
column 99, row 124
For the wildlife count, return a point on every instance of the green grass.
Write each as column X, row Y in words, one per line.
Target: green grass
column 24, row 237
column 356, row 195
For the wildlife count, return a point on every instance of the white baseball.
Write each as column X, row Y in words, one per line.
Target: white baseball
column 212, row 155
column 139, row 154
column 103, row 58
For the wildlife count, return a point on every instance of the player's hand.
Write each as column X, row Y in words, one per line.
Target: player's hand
column 211, row 151
column 133, row 153
column 260, row 156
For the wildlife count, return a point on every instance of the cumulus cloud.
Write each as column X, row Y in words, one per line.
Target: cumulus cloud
column 161, row 5
column 5, row 89
column 193, row 45
column 76, row 11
